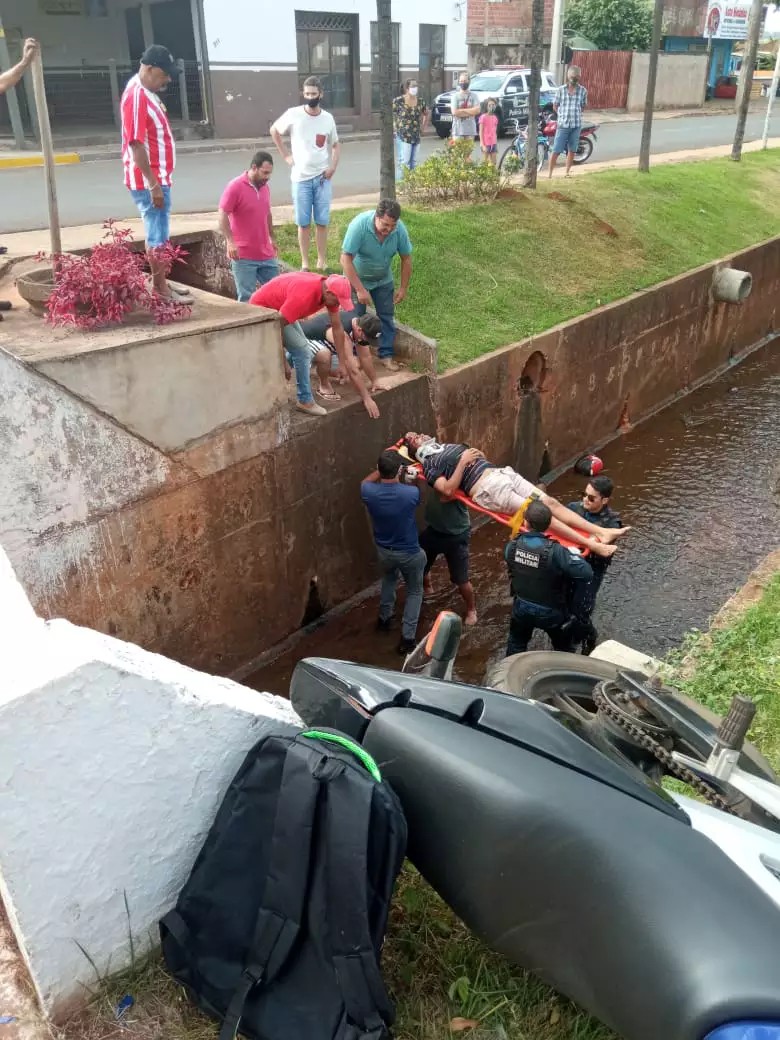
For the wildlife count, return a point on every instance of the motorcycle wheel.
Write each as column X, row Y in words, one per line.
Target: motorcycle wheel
column 566, row 681
column 584, row 151
column 442, row 130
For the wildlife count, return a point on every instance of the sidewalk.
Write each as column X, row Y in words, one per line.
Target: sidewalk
column 12, row 159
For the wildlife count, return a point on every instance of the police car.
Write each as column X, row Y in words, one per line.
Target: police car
column 509, row 85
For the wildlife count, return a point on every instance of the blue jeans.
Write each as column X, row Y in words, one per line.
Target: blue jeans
column 299, row 356
column 567, row 139
column 249, row 274
column 411, row 566
column 382, row 296
column 407, row 156
column 157, row 222
column 312, row 198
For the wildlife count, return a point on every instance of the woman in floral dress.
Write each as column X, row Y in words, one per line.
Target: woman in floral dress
column 410, row 116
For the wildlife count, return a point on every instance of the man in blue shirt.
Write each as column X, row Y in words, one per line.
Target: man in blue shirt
column 540, row 570
column 392, row 506
column 595, row 508
column 370, row 243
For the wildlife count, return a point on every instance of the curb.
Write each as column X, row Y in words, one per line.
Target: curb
column 21, row 162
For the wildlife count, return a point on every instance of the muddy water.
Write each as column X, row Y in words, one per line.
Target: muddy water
column 699, row 483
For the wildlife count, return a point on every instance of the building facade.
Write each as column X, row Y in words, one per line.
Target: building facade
column 242, row 61
column 688, row 25
column 498, row 32
column 260, row 51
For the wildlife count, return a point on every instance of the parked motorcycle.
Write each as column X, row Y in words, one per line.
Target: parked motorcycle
column 539, row 816
column 544, row 141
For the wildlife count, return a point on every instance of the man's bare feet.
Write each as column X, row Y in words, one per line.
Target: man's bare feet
column 611, row 534
column 471, row 617
column 601, row 549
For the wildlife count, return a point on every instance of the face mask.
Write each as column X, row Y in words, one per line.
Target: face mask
column 312, row 102
column 573, row 81
column 491, row 108
column 464, row 86
column 413, row 91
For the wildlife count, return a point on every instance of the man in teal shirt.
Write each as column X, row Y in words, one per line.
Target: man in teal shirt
column 370, row 243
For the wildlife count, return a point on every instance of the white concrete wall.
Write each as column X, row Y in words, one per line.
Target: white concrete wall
column 680, row 82
column 261, row 33
column 113, row 762
column 71, row 40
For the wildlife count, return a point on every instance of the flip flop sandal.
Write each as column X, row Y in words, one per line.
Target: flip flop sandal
column 328, row 397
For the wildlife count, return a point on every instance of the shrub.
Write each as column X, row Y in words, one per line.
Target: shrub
column 450, row 175
column 105, row 285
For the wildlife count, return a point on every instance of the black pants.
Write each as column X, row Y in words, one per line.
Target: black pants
column 582, row 603
column 523, row 622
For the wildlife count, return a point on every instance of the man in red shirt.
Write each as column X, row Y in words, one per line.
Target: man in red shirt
column 149, row 154
column 300, row 295
column 246, row 222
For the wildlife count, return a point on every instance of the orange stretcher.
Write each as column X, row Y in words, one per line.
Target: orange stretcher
column 515, row 523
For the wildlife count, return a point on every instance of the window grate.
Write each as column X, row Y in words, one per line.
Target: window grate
column 323, row 21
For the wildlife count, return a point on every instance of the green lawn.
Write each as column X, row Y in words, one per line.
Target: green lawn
column 437, row 972
column 491, row 274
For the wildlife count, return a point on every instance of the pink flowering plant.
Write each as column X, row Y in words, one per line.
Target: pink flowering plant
column 103, row 286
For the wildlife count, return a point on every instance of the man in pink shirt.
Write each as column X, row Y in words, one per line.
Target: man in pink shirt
column 246, row 222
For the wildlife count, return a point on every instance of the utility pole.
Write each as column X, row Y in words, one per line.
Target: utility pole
column 746, row 83
column 384, row 28
column 652, row 75
column 537, row 54
column 771, row 99
column 556, row 41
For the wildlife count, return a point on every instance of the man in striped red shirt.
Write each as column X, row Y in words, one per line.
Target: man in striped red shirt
column 149, row 154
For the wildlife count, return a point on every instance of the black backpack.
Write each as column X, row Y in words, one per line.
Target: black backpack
column 279, row 928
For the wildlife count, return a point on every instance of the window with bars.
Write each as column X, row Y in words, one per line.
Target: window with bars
column 395, row 63
column 325, row 42
column 432, row 50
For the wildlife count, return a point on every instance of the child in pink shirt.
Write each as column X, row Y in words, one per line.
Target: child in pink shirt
column 488, row 132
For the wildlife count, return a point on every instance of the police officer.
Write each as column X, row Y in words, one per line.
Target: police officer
column 594, row 507
column 540, row 570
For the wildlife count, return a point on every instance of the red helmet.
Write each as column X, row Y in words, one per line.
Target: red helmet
column 589, row 466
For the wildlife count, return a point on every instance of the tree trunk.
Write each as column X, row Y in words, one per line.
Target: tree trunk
column 537, row 56
column 386, row 142
column 652, row 75
column 748, row 65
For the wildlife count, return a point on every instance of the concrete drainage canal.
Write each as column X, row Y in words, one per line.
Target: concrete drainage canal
column 700, row 484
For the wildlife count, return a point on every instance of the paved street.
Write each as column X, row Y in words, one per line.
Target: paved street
column 92, row 191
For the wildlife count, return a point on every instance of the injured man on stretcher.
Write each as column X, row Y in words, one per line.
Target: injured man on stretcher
column 457, row 467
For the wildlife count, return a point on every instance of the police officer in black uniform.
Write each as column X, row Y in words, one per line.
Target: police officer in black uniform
column 540, row 570
column 595, row 508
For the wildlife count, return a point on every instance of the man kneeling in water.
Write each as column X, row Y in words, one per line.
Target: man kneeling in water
column 452, row 467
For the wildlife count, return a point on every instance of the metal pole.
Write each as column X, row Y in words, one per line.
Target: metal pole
column 184, row 100
column 13, row 101
column 556, row 41
column 47, row 147
column 113, row 76
column 770, row 102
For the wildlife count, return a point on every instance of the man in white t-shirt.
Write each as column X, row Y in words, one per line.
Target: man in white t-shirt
column 314, row 157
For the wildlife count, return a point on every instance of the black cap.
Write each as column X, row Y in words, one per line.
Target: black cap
column 160, row 57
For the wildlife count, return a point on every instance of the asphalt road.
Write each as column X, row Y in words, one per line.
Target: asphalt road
column 91, row 192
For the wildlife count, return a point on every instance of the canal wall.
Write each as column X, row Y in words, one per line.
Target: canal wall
column 214, row 549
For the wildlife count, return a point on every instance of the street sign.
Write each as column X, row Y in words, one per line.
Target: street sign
column 726, row 21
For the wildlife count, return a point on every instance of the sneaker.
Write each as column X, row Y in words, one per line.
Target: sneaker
column 311, row 408
column 406, row 646
column 384, row 624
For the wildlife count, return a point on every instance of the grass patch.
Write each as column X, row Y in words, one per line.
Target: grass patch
column 488, row 275
column 436, row 970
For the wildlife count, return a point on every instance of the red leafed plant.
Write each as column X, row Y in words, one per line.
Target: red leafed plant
column 102, row 287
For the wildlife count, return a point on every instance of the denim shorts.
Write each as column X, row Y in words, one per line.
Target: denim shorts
column 311, row 198
column 157, row 222
column 567, row 138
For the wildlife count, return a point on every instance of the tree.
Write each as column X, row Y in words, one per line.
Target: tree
column 652, row 75
column 386, row 151
column 537, row 56
column 617, row 25
column 746, row 79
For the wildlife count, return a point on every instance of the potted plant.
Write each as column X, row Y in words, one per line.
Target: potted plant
column 101, row 287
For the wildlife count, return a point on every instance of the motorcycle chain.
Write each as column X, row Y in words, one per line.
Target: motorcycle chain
column 676, row 769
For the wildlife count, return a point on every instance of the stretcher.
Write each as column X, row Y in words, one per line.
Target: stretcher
column 515, row 522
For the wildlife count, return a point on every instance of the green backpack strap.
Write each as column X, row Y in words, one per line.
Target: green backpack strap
column 350, row 745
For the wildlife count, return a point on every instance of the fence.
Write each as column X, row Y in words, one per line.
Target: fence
column 88, row 96
column 606, row 74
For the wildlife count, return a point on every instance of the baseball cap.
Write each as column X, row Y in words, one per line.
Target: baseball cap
column 340, row 287
column 160, row 57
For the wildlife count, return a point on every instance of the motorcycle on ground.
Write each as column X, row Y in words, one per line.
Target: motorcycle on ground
column 539, row 808
column 514, row 154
